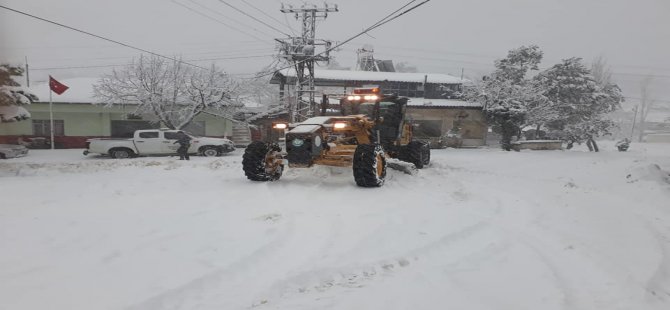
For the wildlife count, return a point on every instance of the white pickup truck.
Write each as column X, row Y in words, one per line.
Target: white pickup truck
column 156, row 142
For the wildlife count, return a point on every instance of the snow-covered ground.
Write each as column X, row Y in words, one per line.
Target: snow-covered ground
column 478, row 229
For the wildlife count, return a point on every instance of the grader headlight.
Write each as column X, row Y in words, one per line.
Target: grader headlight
column 279, row 125
column 339, row 125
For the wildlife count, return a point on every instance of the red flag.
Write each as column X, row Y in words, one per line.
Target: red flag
column 56, row 86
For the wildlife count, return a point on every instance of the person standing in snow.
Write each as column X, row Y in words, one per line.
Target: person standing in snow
column 184, row 143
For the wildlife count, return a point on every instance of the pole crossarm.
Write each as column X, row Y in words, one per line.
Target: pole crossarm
column 300, row 52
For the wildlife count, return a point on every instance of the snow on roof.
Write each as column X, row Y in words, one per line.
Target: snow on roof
column 304, row 128
column 80, row 90
column 422, row 102
column 348, row 75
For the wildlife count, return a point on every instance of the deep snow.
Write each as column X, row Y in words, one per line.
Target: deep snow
column 478, row 229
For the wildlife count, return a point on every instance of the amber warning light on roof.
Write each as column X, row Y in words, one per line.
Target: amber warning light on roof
column 362, row 91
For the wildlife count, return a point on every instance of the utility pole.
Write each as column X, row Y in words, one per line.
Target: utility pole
column 27, row 73
column 632, row 129
column 301, row 53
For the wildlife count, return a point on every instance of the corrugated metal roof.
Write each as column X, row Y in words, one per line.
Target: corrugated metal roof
column 427, row 103
column 347, row 75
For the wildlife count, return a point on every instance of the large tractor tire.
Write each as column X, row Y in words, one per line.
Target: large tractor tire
column 369, row 165
column 255, row 162
column 416, row 152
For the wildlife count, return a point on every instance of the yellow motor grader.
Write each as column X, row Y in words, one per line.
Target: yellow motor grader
column 372, row 128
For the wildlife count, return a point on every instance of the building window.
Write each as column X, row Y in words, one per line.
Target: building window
column 196, row 128
column 42, row 127
column 126, row 129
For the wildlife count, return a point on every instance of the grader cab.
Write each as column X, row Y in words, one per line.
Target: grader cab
column 371, row 128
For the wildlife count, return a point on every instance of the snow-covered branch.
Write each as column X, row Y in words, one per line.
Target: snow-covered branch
column 171, row 91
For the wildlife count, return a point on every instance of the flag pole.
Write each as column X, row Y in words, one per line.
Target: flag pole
column 51, row 119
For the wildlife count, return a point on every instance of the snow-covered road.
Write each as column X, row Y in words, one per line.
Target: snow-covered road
column 478, row 229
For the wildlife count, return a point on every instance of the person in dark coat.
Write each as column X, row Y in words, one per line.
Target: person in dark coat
column 184, row 143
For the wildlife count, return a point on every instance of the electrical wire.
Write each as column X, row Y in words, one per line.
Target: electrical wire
column 263, row 12
column 120, row 65
column 219, row 53
column 254, row 18
column 209, row 9
column 215, row 20
column 101, row 37
column 649, row 99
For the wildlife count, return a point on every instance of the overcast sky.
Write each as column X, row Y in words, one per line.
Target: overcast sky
column 442, row 36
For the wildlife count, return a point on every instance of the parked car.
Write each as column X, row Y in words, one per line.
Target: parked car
column 12, row 151
column 156, row 142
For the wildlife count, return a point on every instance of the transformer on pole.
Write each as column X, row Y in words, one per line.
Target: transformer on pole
column 301, row 53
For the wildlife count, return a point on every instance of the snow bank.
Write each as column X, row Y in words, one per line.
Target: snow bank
column 478, row 229
column 649, row 172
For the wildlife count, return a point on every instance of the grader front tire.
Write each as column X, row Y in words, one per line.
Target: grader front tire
column 369, row 165
column 254, row 162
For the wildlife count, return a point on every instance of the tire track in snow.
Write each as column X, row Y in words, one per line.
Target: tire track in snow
column 358, row 275
column 658, row 285
column 514, row 235
column 194, row 290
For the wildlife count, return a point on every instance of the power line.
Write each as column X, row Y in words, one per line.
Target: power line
column 100, row 37
column 254, row 18
column 216, row 20
column 263, row 12
column 219, row 53
column 225, row 16
column 649, row 99
column 171, row 44
column 120, row 65
column 662, row 76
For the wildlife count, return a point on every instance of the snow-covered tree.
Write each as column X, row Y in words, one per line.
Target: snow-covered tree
column 13, row 96
column 507, row 94
column 261, row 92
column 518, row 62
column 172, row 91
column 581, row 102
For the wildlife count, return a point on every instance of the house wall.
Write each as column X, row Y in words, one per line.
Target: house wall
column 473, row 124
column 82, row 121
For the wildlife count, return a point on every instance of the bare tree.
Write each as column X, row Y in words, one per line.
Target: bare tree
column 171, row 91
column 646, row 104
column 260, row 91
column 601, row 71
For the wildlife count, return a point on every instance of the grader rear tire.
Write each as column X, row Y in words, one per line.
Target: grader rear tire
column 254, row 162
column 369, row 165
